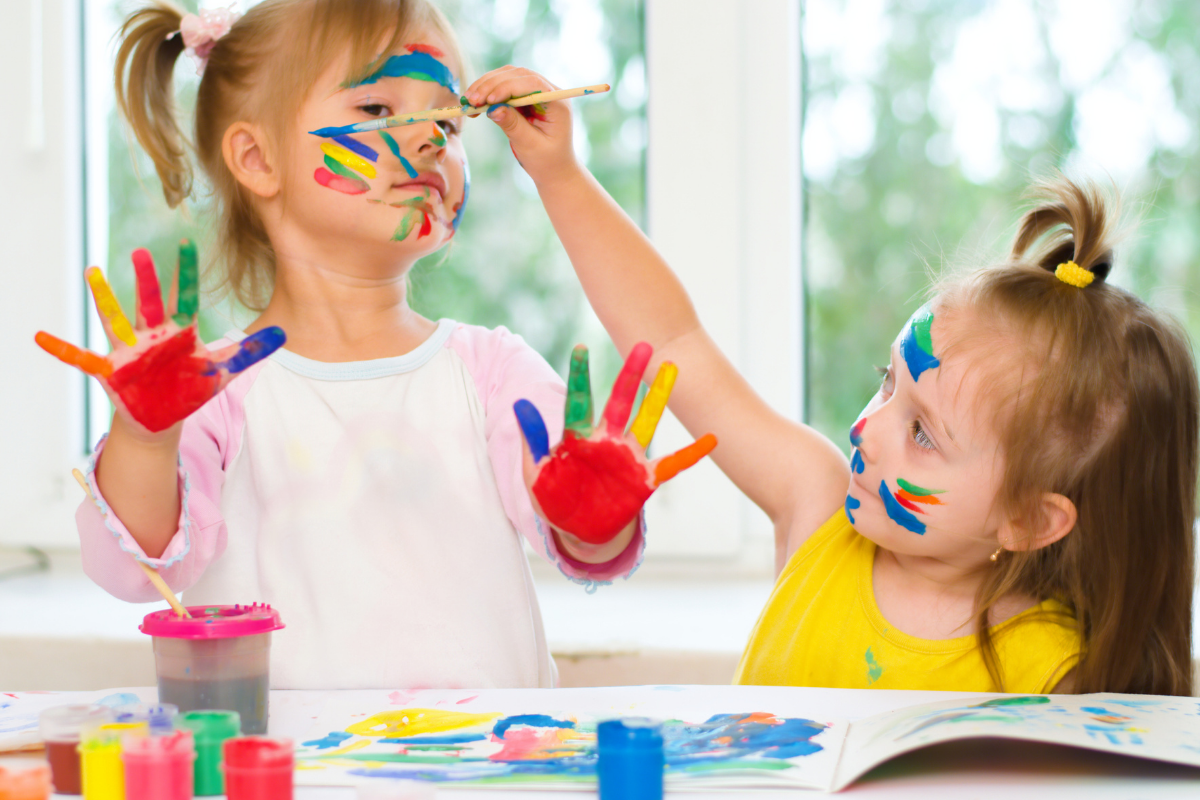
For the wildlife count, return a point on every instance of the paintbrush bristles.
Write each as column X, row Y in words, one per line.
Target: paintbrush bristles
column 450, row 112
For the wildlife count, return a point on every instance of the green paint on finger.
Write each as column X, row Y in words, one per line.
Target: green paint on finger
column 188, row 297
column 579, row 394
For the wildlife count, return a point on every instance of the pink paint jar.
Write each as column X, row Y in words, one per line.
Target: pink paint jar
column 259, row 768
column 217, row 660
column 158, row 767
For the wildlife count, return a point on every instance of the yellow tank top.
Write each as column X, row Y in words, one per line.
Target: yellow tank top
column 821, row 627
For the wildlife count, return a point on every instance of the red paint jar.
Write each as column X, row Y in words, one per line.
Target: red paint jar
column 158, row 767
column 61, row 728
column 259, row 768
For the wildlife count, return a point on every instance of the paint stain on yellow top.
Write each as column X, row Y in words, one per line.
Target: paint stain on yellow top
column 107, row 305
column 348, row 159
column 417, row 721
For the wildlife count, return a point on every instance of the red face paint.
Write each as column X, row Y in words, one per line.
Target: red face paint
column 338, row 183
column 591, row 489
column 167, row 383
column 427, row 49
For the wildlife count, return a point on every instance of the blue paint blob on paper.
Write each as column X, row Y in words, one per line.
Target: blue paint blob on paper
column 418, row 65
column 352, row 144
column 533, row 428
column 856, row 462
column 852, row 504
column 408, row 167
column 329, row 740
column 255, row 348
column 898, row 513
column 462, row 738
column 532, row 720
column 118, row 699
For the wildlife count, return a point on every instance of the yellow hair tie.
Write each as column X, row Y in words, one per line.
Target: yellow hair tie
column 1072, row 273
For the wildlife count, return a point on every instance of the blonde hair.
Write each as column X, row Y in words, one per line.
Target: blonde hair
column 1096, row 397
column 261, row 72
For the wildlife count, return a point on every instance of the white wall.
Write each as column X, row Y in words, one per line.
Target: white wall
column 41, row 264
column 724, row 209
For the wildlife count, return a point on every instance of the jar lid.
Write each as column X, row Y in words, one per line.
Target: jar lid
column 66, row 723
column 630, row 733
column 211, row 726
column 258, row 752
column 213, row 622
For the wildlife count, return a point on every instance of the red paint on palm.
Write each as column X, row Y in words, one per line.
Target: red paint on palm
column 591, row 488
column 167, row 383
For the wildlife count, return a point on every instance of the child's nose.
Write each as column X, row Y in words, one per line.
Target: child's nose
column 433, row 142
column 856, row 440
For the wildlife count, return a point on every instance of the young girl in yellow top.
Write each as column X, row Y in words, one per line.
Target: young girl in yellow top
column 1017, row 512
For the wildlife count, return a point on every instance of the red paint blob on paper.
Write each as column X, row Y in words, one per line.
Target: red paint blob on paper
column 338, row 183
column 167, row 383
column 591, row 489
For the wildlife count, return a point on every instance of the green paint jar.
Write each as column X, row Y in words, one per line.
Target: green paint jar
column 210, row 729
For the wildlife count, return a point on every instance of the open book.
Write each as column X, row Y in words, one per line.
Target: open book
column 716, row 737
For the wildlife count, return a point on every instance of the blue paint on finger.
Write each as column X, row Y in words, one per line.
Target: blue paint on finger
column 255, row 348
column 533, row 428
column 898, row 513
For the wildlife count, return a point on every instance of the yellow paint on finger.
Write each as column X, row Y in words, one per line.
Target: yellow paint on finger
column 416, row 721
column 348, row 159
column 107, row 303
column 654, row 403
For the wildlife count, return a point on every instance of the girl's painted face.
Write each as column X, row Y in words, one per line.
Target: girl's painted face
column 926, row 469
column 404, row 187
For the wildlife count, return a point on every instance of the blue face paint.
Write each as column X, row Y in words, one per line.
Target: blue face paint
column 856, row 460
column 462, row 207
column 408, row 167
column 916, row 345
column 852, row 505
column 898, row 513
column 350, row 143
column 419, row 66
column 856, row 463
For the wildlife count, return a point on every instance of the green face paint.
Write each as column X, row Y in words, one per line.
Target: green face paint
column 579, row 394
column 188, row 297
column 407, row 223
column 338, row 168
column 912, row 488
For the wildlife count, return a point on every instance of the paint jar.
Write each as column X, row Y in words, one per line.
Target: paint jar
column 631, row 761
column 160, row 718
column 379, row 789
column 25, row 781
column 210, row 729
column 218, row 659
column 61, row 728
column 100, row 751
column 259, row 768
column 158, row 766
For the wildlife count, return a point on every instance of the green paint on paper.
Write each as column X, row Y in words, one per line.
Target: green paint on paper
column 917, row 491
column 188, row 296
column 579, row 394
column 1015, row 701
column 874, row 668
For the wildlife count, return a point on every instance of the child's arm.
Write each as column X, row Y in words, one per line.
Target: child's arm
column 794, row 473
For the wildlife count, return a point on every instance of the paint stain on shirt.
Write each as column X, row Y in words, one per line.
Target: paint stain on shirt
column 874, row 668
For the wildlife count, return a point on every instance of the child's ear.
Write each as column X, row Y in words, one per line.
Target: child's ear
column 1055, row 518
column 244, row 148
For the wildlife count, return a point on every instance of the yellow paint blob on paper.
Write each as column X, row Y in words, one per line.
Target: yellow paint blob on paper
column 106, row 303
column 417, row 721
column 348, row 159
column 654, row 403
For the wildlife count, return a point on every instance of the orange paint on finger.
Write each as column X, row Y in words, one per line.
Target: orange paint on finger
column 86, row 360
column 670, row 466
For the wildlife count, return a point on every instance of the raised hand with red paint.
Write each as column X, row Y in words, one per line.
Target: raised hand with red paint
column 593, row 483
column 159, row 372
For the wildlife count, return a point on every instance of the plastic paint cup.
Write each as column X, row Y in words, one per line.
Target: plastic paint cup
column 30, row 782
column 631, row 761
column 218, row 659
column 159, row 767
column 61, row 728
column 210, row 729
column 259, row 768
column 379, row 789
column 100, row 750
column 160, row 718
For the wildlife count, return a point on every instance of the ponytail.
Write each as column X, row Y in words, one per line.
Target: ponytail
column 145, row 93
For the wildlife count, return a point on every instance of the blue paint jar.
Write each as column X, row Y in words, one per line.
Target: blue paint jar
column 631, row 762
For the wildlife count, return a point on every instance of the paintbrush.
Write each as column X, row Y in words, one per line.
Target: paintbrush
column 399, row 120
column 153, row 575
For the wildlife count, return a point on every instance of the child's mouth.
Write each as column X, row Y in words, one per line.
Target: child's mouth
column 424, row 182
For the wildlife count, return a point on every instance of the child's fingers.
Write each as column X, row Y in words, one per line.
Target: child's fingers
column 86, row 360
column 149, row 294
column 668, row 467
column 578, row 415
column 254, row 348
column 654, row 403
column 116, row 324
column 506, row 83
column 533, row 428
column 625, row 388
column 187, row 285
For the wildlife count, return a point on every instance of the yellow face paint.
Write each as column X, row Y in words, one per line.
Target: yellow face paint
column 348, row 159
column 654, row 403
column 107, row 303
column 416, row 721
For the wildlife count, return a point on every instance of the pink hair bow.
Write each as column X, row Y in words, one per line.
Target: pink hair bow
column 201, row 31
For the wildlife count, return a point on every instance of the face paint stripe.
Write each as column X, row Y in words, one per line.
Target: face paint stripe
column 852, row 505
column 461, row 208
column 898, row 513
column 928, row 500
column 108, row 306
column 337, row 168
column 902, row 500
column 913, row 489
column 391, row 142
column 419, row 65
column 425, row 48
column 856, row 432
column 360, row 165
column 654, row 403
column 916, row 345
column 408, row 167
column 438, row 139
column 339, row 183
column 354, row 145
column 579, row 408
column 856, row 462
column 188, row 293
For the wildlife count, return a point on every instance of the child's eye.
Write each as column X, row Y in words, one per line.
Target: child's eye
column 918, row 435
column 889, row 381
column 376, row 110
column 449, row 125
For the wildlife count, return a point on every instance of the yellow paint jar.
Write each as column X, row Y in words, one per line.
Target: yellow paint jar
column 100, row 756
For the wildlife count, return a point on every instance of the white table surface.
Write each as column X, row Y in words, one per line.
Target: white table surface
column 970, row 769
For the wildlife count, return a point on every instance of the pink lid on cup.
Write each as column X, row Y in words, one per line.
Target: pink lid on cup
column 213, row 622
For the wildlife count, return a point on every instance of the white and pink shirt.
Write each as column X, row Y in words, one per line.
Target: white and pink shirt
column 378, row 505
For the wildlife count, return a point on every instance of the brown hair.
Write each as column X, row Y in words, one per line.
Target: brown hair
column 261, row 71
column 1101, row 405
